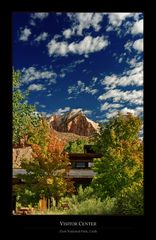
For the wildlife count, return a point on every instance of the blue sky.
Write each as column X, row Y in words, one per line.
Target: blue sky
column 91, row 61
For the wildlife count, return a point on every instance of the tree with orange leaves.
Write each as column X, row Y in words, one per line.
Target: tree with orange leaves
column 47, row 170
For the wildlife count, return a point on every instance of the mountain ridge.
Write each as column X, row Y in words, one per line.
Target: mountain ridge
column 74, row 121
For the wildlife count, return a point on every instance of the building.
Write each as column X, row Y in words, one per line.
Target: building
column 80, row 172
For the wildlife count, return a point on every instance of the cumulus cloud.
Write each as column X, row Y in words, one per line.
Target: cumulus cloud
column 107, row 106
column 42, row 37
column 135, row 111
column 24, row 35
column 138, row 111
column 111, row 113
column 138, row 45
column 132, row 77
column 133, row 97
column 123, row 23
column 61, row 111
column 67, row 33
column 137, row 27
column 39, row 15
column 36, row 87
column 82, row 21
column 31, row 74
column 116, row 19
column 88, row 45
column 88, row 112
column 80, row 87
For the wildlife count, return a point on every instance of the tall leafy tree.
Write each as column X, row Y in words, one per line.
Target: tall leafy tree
column 122, row 150
column 46, row 173
column 23, row 113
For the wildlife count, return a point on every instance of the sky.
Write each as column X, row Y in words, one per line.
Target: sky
column 88, row 61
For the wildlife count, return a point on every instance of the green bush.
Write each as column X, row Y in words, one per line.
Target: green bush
column 130, row 201
column 87, row 203
column 93, row 206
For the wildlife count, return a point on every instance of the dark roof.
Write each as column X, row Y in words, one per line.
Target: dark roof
column 74, row 156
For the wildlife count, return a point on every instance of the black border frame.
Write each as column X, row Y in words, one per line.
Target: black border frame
column 52, row 223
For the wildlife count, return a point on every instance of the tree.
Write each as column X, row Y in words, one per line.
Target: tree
column 76, row 146
column 23, row 113
column 46, row 173
column 122, row 162
column 39, row 133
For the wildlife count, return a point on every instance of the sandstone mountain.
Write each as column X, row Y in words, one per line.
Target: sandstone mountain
column 68, row 127
column 75, row 122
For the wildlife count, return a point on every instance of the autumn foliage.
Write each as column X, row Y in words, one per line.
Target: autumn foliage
column 48, row 169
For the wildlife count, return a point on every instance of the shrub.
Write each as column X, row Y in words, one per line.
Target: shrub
column 93, row 206
column 130, row 201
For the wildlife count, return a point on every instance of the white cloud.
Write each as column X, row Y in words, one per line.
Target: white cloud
column 116, row 19
column 138, row 111
column 132, row 77
column 80, row 87
column 111, row 113
column 36, row 87
column 82, row 21
column 138, row 45
column 86, row 46
column 42, row 37
column 128, row 45
column 132, row 62
column 135, row 111
column 87, row 112
column 137, row 27
column 94, row 79
column 49, row 94
column 132, row 97
column 70, row 67
column 32, row 73
column 107, row 106
column 45, row 114
column 61, row 111
column 25, row 33
column 42, row 106
column 67, row 33
column 62, row 75
column 40, row 15
column 36, row 103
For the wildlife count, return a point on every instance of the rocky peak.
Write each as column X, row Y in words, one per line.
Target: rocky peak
column 74, row 121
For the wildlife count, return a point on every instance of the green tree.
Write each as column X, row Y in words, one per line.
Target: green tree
column 23, row 113
column 76, row 146
column 39, row 133
column 122, row 150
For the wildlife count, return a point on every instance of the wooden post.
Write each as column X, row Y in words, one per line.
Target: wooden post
column 43, row 204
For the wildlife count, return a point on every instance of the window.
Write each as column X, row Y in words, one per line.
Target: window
column 80, row 165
